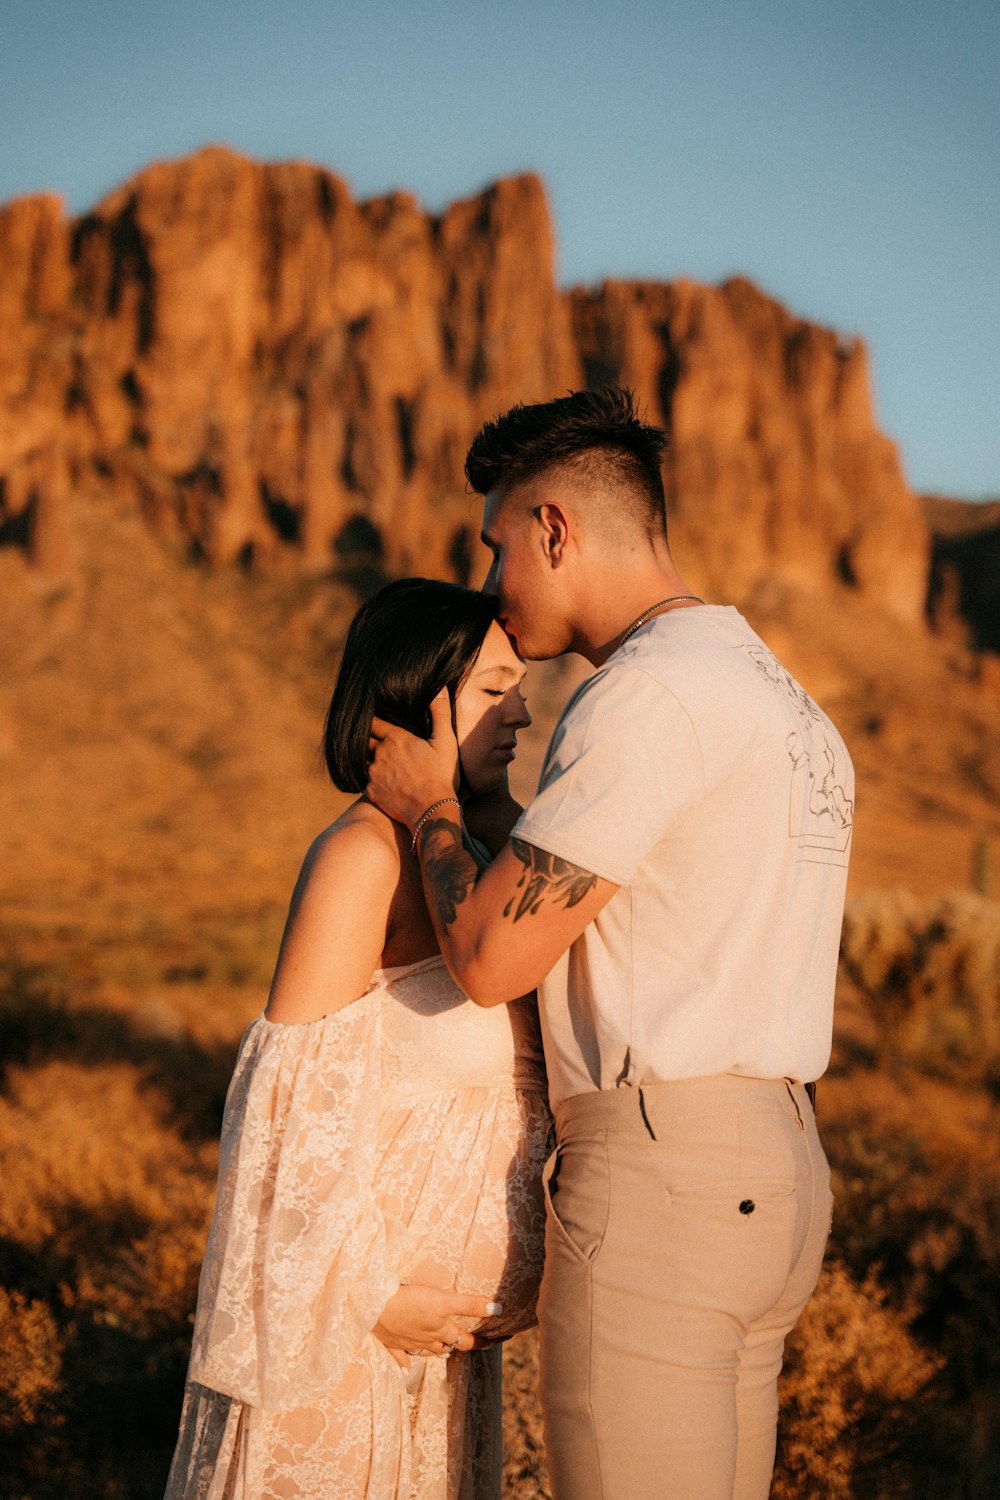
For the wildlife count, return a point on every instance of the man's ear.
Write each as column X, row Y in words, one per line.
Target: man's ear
column 555, row 531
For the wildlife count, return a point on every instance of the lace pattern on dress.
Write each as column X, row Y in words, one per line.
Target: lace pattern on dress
column 296, row 1271
column 399, row 1139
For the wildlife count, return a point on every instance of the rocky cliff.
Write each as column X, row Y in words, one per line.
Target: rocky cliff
column 776, row 465
column 277, row 374
column 964, row 593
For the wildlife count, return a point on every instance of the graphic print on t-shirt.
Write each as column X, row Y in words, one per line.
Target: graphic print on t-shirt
column 820, row 812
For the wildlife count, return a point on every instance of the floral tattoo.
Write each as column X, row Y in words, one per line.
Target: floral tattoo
column 450, row 872
column 546, row 876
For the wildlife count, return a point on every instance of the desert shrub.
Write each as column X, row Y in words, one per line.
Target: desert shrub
column 913, row 1150
column 46, row 1015
column 110, row 1100
column 935, row 1232
column 101, row 1235
column 929, row 973
column 102, row 1225
column 917, row 1182
column 30, row 1359
column 854, row 1392
column 525, row 1471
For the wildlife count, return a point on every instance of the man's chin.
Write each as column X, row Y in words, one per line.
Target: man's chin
column 523, row 648
column 526, row 648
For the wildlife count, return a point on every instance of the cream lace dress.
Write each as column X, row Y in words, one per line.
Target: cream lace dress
column 400, row 1139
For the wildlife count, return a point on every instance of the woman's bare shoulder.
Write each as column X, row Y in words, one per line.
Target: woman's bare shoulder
column 361, row 832
column 353, row 863
column 337, row 919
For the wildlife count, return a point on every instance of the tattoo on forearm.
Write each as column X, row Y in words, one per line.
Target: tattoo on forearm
column 546, row 877
column 449, row 870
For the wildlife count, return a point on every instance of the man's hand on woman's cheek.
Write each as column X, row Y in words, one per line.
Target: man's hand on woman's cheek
column 406, row 774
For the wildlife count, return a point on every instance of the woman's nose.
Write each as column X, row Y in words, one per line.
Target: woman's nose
column 519, row 713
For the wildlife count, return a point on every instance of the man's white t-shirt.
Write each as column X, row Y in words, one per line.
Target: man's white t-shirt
column 694, row 772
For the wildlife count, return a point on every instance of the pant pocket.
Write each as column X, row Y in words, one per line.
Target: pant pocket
column 773, row 1156
column 576, row 1185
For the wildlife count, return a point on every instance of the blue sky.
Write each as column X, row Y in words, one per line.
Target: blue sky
column 845, row 154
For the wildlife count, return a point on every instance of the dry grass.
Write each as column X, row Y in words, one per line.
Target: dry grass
column 526, row 1474
column 30, row 1359
column 108, row 1131
column 854, row 1393
column 929, row 973
column 115, row 1064
column 159, row 785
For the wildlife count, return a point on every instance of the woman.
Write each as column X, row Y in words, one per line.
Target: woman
column 383, row 1138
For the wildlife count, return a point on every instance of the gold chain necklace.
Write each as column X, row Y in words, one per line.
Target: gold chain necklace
column 674, row 599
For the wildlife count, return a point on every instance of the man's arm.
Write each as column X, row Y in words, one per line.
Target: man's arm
column 502, row 929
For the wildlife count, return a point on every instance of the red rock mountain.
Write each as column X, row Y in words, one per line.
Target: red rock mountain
column 276, row 373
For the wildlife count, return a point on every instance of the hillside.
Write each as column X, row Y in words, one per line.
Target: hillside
column 231, row 400
column 228, row 362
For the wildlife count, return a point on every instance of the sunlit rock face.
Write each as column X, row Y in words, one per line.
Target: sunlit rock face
column 281, row 376
column 776, row 464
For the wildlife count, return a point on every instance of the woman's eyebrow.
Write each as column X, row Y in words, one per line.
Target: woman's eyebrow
column 504, row 671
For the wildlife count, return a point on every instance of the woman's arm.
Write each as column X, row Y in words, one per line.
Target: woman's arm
column 336, row 926
column 332, row 942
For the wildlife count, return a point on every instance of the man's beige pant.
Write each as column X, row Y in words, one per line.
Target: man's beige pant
column 685, row 1232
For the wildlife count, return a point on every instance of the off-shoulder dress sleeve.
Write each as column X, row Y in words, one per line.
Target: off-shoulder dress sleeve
column 297, row 1269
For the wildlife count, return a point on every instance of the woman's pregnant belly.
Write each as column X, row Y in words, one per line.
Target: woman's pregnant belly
column 459, row 1183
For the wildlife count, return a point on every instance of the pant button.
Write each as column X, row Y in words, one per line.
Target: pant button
column 747, row 1206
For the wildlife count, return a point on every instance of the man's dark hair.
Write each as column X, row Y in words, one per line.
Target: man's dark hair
column 407, row 642
column 599, row 432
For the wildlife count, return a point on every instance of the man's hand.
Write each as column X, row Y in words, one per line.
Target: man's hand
column 406, row 774
column 421, row 1320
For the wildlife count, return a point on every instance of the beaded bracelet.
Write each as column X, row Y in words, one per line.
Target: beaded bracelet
column 429, row 813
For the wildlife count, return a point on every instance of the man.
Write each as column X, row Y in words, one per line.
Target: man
column 675, row 892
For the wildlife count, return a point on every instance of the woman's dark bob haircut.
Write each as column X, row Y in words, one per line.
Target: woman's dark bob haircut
column 411, row 639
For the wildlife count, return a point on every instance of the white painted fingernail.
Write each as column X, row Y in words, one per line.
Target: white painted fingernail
column 494, row 1309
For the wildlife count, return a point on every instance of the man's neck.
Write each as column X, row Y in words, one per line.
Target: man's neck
column 609, row 615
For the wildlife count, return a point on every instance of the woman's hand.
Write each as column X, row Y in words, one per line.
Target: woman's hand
column 421, row 1320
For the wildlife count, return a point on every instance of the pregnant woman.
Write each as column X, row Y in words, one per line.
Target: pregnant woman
column 383, row 1140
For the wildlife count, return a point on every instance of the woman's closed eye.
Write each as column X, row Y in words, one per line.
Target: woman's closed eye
column 502, row 693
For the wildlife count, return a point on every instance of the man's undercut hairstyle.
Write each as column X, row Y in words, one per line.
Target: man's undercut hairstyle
column 410, row 640
column 597, row 433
